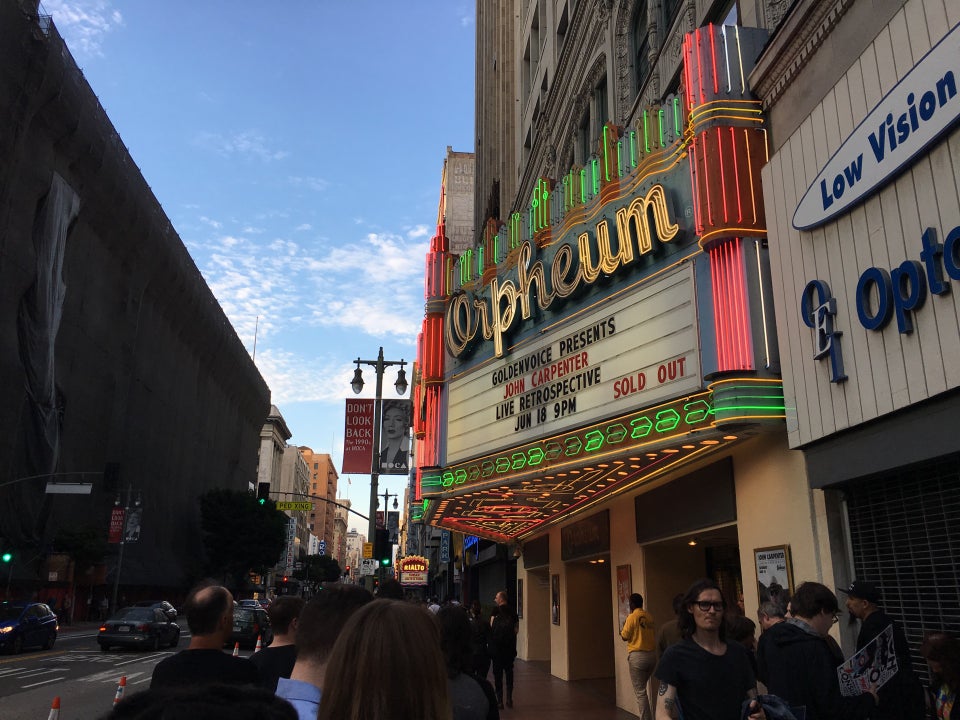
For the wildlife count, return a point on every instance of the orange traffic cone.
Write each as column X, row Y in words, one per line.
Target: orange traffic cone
column 120, row 688
column 54, row 709
column 236, row 649
column 259, row 646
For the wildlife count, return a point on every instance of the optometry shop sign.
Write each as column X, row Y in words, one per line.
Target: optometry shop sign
column 630, row 353
column 911, row 117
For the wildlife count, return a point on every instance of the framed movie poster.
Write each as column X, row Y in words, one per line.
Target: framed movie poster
column 555, row 599
column 519, row 598
column 774, row 573
column 624, row 589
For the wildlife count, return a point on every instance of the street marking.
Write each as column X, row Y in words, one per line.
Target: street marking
column 45, row 682
column 38, row 671
column 142, row 659
column 148, row 678
column 11, row 671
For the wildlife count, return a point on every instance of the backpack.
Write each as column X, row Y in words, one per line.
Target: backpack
column 503, row 638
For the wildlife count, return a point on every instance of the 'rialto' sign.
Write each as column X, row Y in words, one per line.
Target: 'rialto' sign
column 917, row 111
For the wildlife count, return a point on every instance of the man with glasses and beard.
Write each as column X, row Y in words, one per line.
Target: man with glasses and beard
column 797, row 663
column 902, row 696
column 703, row 676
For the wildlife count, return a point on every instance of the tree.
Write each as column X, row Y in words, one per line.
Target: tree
column 240, row 534
column 319, row 568
column 86, row 546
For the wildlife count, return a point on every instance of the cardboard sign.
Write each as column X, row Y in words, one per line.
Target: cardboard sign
column 875, row 664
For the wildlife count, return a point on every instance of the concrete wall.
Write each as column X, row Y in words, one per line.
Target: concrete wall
column 149, row 373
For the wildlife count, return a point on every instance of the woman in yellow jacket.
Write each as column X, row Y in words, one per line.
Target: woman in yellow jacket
column 641, row 642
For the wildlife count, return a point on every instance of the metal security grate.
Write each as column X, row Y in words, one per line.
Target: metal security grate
column 905, row 529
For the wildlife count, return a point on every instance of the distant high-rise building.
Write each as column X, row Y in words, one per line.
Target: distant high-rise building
column 323, row 484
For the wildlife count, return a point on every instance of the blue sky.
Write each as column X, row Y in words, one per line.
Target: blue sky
column 297, row 149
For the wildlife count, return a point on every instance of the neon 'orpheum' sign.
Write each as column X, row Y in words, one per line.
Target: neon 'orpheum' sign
column 494, row 314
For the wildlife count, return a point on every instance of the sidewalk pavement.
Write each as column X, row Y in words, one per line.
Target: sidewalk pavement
column 537, row 695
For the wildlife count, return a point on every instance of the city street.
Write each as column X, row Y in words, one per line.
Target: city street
column 84, row 677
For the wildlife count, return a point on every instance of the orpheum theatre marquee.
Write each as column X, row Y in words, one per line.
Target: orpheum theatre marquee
column 618, row 328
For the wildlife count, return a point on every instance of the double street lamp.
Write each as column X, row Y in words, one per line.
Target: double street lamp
column 379, row 365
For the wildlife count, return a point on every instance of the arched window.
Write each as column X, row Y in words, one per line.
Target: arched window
column 641, row 48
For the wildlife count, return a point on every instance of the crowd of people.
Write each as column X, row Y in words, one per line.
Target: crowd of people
column 707, row 663
column 345, row 654
column 341, row 654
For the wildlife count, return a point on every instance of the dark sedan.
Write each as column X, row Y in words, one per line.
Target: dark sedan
column 27, row 624
column 248, row 625
column 147, row 628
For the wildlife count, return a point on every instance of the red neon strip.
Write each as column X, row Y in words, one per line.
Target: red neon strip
column 703, row 97
column 706, row 180
column 723, row 177
column 687, row 76
column 717, row 309
column 736, row 176
column 730, row 347
column 736, row 335
column 713, row 57
column 694, row 175
column 745, row 331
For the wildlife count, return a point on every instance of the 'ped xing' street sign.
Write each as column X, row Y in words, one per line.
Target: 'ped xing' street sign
column 295, row 505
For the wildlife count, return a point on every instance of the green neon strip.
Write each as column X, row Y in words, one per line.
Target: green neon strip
column 616, row 433
column 674, row 419
column 535, row 456
column 594, row 440
column 619, row 158
column 676, row 115
column 595, row 167
column 633, row 148
column 583, row 186
column 641, row 427
column 646, row 132
column 480, row 261
column 660, row 123
column 606, row 154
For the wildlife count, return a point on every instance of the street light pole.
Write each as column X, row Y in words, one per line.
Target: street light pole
column 123, row 539
column 379, row 365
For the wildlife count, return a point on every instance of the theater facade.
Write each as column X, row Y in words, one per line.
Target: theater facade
column 598, row 380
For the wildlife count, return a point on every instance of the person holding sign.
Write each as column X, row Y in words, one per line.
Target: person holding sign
column 796, row 663
column 901, row 697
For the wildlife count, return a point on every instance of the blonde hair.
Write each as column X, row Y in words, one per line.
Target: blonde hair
column 387, row 663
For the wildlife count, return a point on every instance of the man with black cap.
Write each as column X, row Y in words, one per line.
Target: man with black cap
column 901, row 698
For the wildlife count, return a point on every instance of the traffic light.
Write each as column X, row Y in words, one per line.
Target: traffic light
column 382, row 547
column 7, row 557
column 263, row 493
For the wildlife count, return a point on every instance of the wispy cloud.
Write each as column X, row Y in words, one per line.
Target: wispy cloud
column 374, row 284
column 294, row 378
column 311, row 183
column 247, row 143
column 83, row 23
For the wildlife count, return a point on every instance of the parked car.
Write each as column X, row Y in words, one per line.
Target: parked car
column 27, row 624
column 249, row 604
column 169, row 610
column 248, row 624
column 143, row 627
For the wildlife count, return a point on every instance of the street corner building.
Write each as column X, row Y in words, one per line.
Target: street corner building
column 863, row 217
column 621, row 381
column 117, row 364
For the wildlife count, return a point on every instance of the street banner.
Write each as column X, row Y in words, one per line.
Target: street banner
column 132, row 528
column 358, row 437
column 291, row 545
column 395, row 425
column 116, row 525
column 393, row 526
column 875, row 664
